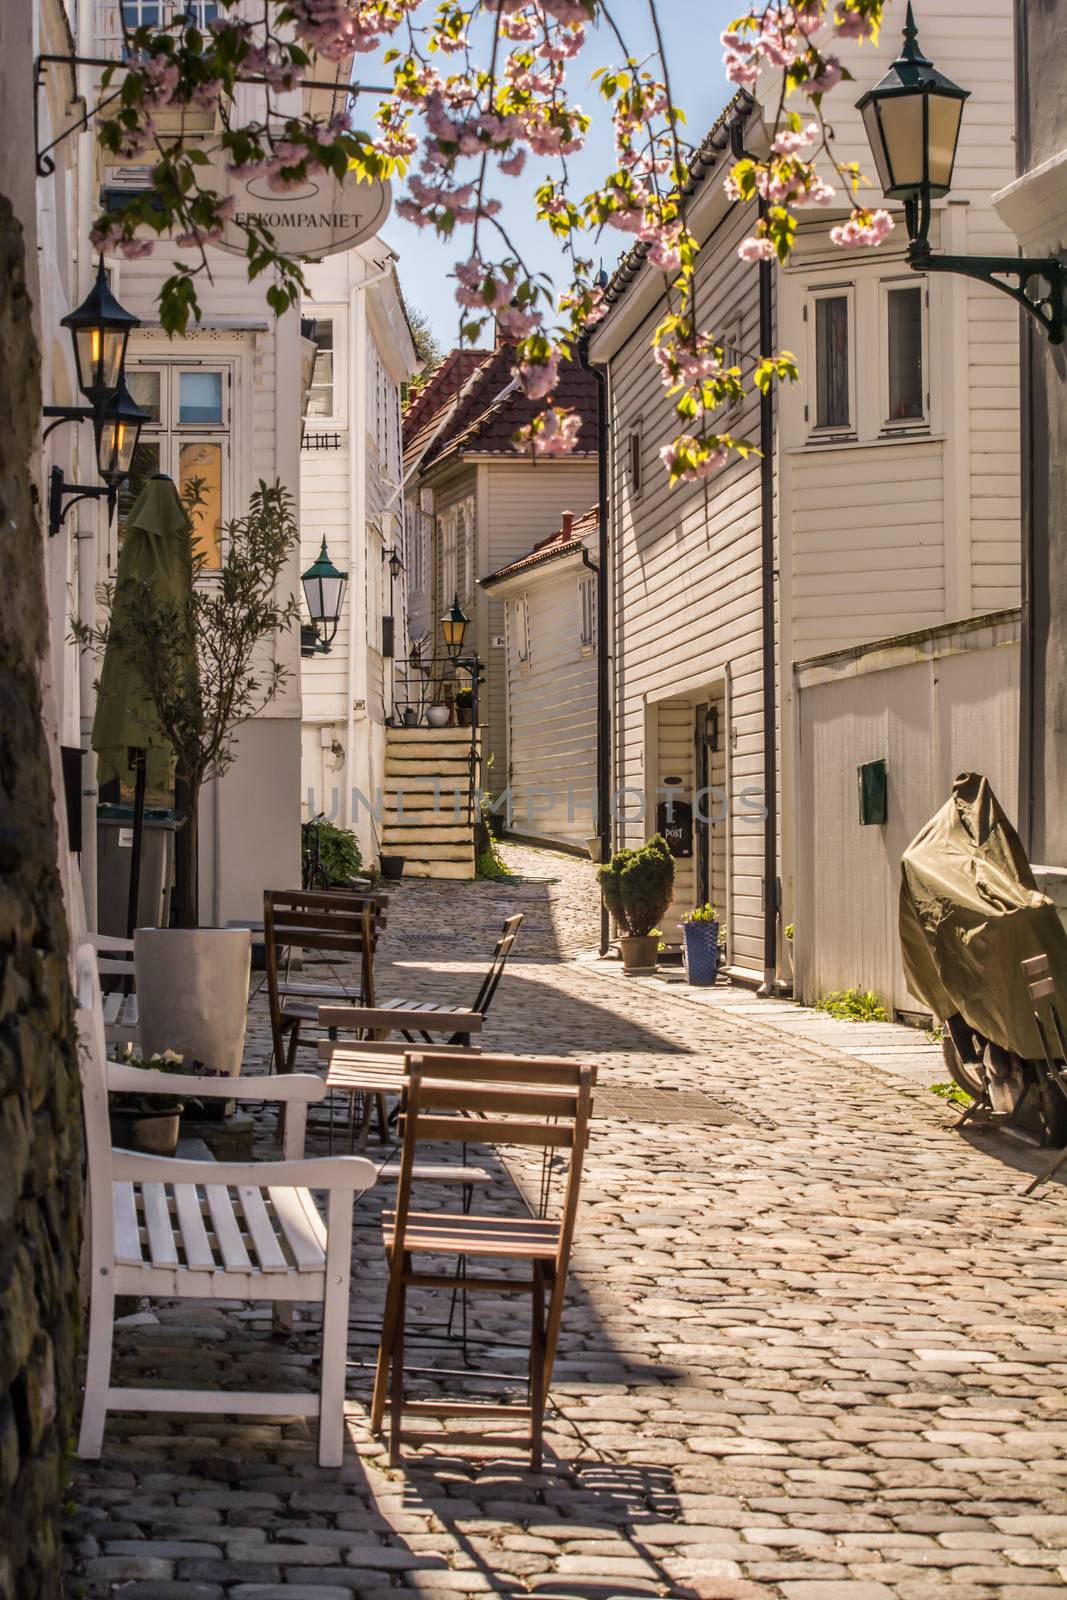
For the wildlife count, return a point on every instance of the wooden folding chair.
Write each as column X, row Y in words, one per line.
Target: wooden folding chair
column 544, row 1103
column 340, row 922
column 430, row 1017
column 1042, row 989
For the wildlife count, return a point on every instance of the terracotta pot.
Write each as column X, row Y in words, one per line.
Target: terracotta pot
column 153, row 1133
column 639, row 954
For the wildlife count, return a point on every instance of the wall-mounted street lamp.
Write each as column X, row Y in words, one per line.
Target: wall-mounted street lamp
column 100, row 329
column 454, row 630
column 396, row 567
column 912, row 118
column 324, row 591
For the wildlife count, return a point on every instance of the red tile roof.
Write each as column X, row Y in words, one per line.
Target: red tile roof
column 444, row 383
column 568, row 540
column 493, row 408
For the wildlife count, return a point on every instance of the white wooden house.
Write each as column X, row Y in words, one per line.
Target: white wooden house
column 225, row 402
column 483, row 501
column 550, row 616
column 894, row 497
column 352, row 497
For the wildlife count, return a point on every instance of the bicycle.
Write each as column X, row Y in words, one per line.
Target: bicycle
column 313, row 873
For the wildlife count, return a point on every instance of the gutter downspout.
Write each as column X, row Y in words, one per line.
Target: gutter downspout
column 603, row 727
column 1028, row 655
column 769, row 672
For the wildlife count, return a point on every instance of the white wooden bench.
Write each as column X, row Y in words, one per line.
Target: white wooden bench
column 211, row 1230
column 114, row 958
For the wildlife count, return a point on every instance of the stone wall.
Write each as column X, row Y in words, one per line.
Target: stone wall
column 40, row 1145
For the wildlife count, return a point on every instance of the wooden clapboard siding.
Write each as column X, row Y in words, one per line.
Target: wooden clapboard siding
column 518, row 503
column 551, row 710
column 685, row 602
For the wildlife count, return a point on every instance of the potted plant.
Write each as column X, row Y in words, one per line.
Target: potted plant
column 637, row 887
column 464, row 704
column 192, row 993
column 437, row 715
column 700, row 948
column 411, row 717
column 148, row 1122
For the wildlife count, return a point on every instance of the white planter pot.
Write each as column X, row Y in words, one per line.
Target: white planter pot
column 437, row 716
column 192, row 993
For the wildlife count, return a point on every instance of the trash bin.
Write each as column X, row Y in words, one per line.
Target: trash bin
column 114, row 846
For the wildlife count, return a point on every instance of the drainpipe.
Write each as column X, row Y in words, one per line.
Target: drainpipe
column 603, row 727
column 358, row 687
column 769, row 674
column 1029, row 744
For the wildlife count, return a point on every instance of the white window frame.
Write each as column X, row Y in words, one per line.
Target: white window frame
column 171, row 435
column 449, row 558
column 519, row 622
column 587, row 613
column 465, row 514
column 835, row 432
column 890, row 426
column 338, row 417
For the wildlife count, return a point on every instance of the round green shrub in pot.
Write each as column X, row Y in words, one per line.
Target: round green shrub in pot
column 637, row 886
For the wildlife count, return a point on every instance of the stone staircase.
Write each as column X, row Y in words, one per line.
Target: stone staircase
column 427, row 804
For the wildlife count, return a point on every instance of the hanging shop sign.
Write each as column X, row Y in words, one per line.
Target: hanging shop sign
column 321, row 216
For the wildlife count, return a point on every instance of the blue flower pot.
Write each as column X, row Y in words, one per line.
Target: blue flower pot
column 701, row 951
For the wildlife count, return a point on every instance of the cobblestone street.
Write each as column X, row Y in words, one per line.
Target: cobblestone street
column 814, row 1347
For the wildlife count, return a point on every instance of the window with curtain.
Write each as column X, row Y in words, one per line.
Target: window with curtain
column 904, row 321
column 187, row 437
column 832, row 398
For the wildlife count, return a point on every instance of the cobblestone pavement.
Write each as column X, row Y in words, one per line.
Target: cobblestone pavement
column 814, row 1347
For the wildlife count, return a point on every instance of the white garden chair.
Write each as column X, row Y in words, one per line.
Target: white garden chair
column 115, row 959
column 211, row 1230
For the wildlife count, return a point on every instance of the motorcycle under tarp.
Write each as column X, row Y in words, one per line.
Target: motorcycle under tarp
column 970, row 914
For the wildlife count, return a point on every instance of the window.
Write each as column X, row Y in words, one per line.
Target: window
column 833, row 386
column 633, row 445
column 732, row 354
column 449, row 574
column 904, row 336
column 465, row 538
column 188, row 438
column 416, row 548
column 520, row 616
column 321, row 395
column 587, row 614
column 162, row 13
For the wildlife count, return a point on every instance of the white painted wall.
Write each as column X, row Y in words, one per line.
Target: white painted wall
column 551, row 706
column 931, row 709
column 348, row 693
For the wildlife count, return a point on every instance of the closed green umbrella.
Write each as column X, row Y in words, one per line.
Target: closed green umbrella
column 157, row 552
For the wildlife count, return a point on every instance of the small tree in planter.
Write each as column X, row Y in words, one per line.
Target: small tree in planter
column 637, row 886
column 224, row 626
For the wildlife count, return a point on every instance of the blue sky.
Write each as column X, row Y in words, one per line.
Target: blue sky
column 691, row 31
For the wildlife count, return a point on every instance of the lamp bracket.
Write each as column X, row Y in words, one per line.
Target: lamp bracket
column 57, row 488
column 1049, row 308
column 61, row 414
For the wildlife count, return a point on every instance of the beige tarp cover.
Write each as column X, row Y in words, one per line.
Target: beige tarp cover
column 970, row 913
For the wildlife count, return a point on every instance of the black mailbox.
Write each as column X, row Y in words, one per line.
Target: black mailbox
column 674, row 820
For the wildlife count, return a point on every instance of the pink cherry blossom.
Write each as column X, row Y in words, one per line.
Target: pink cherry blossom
column 756, row 250
column 863, row 228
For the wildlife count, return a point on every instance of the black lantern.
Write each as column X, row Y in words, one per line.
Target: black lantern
column 100, row 328
column 454, row 629
column 711, row 728
column 913, row 120
column 117, row 433
column 396, row 566
column 324, row 591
